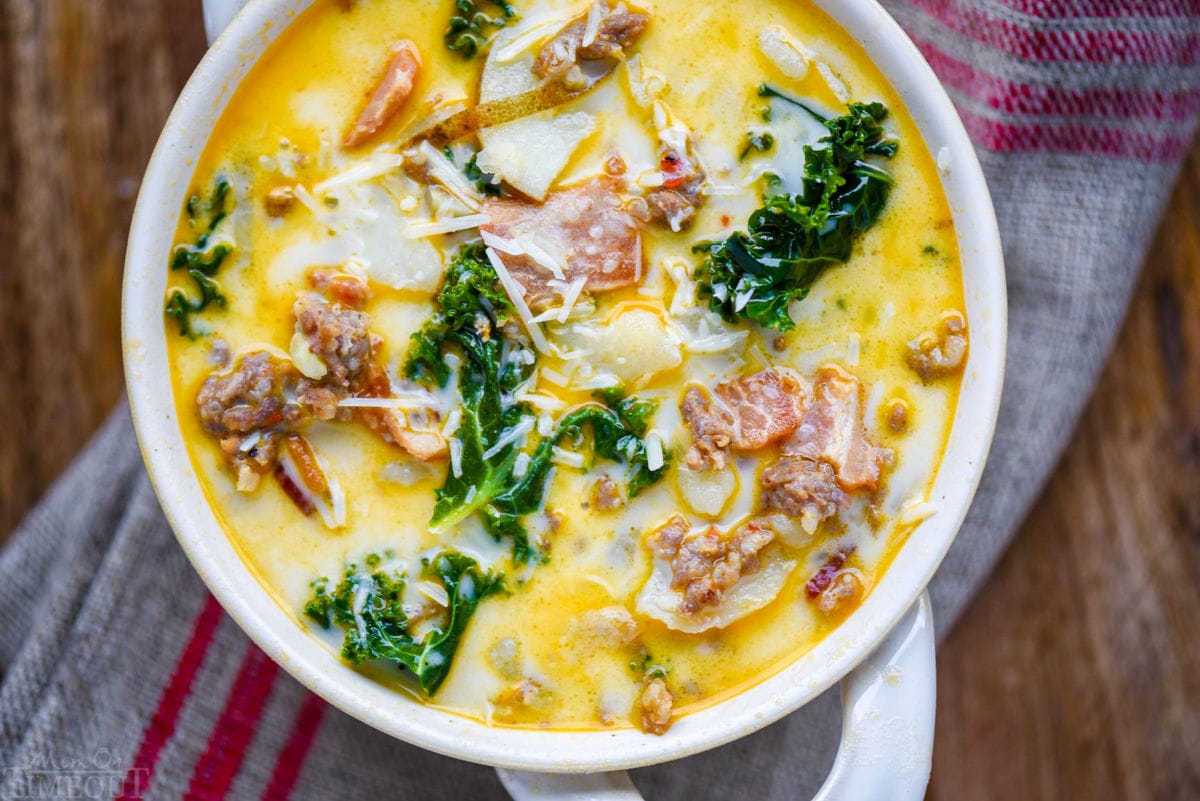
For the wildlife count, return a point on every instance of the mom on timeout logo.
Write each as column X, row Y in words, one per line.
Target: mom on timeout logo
column 50, row 775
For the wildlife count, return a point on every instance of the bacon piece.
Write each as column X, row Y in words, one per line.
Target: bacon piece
column 832, row 430
column 294, row 493
column 766, row 407
column 425, row 444
column 825, row 575
column 305, row 458
column 585, row 226
column 389, row 94
column 835, row 585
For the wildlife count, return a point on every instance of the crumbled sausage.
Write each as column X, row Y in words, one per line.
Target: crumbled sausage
column 897, row 415
column 394, row 87
column 559, row 57
column 707, row 565
column 612, row 626
column 676, row 201
column 805, row 489
column 245, row 408
column 664, row 541
column 941, row 353
column 711, row 426
column 655, row 703
column 338, row 336
column 606, row 494
column 218, row 353
column 615, row 165
column 843, row 593
column 279, row 201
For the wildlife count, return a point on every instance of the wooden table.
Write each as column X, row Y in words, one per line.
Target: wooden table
column 1074, row 675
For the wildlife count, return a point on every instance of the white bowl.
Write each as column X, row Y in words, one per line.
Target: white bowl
column 162, row 195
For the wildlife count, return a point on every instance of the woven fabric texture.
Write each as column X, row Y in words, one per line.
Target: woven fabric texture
column 120, row 670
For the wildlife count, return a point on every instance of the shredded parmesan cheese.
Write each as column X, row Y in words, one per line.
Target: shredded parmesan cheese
column 419, row 229
column 517, row 296
column 592, row 27
column 449, row 177
column 517, row 434
column 568, row 458
column 525, row 246
column 453, row 421
column 364, row 171
column 456, row 458
column 654, row 450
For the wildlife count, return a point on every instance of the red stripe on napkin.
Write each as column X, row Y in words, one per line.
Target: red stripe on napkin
column 1020, row 98
column 227, row 744
column 1035, row 43
column 1007, row 137
column 170, row 703
column 295, row 751
column 1082, row 9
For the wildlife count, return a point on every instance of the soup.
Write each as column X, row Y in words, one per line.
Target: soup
column 567, row 365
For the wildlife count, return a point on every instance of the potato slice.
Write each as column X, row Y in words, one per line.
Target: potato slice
column 707, row 492
column 751, row 593
column 529, row 153
column 636, row 344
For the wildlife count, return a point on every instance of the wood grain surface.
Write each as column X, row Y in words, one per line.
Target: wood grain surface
column 1074, row 675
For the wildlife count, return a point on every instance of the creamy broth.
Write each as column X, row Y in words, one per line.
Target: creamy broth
column 576, row 639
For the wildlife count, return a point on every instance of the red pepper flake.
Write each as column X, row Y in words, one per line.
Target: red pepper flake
column 725, row 220
column 674, row 168
column 294, row 493
column 828, row 571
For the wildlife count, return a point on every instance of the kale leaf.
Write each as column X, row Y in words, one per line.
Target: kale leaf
column 202, row 259
column 760, row 142
column 484, row 182
column 473, row 318
column 634, row 412
column 793, row 238
column 368, row 608
column 470, row 29
column 473, row 312
column 612, row 438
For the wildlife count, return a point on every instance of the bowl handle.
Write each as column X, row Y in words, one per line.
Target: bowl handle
column 217, row 14
column 888, row 701
column 888, row 705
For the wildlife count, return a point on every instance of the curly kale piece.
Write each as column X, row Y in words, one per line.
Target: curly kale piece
column 793, row 238
column 472, row 321
column 368, row 608
column 612, row 438
column 471, row 29
column 202, row 259
column 634, row 412
column 472, row 305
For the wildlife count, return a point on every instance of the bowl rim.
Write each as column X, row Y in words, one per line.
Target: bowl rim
column 314, row 665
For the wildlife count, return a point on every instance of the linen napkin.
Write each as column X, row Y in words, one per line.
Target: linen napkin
column 122, row 677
